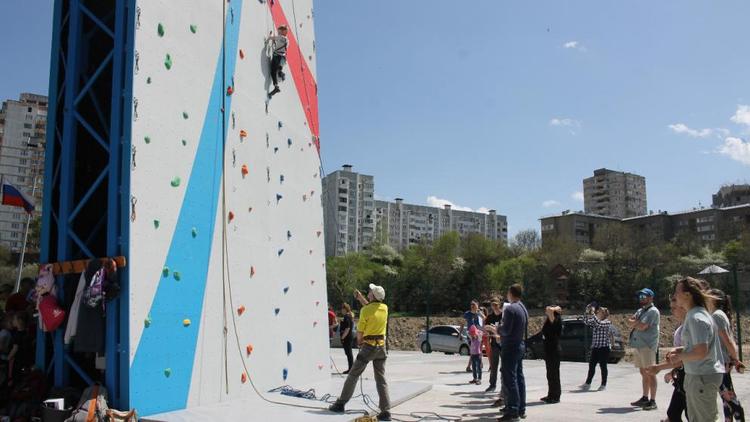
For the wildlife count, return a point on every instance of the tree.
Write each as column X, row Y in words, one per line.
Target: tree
column 526, row 241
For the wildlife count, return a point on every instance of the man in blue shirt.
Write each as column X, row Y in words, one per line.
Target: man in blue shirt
column 512, row 330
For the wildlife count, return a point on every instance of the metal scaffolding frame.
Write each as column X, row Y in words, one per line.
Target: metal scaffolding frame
column 87, row 166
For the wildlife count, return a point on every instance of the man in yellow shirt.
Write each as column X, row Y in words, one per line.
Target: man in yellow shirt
column 371, row 330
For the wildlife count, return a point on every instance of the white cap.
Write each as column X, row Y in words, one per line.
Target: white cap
column 377, row 291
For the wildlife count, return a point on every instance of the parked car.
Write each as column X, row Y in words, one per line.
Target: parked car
column 575, row 342
column 444, row 338
column 335, row 341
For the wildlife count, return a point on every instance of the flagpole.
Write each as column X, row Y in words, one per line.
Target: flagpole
column 25, row 236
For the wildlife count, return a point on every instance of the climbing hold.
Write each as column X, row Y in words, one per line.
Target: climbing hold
column 233, row 120
column 165, row 272
column 231, row 216
column 184, row 115
column 304, row 197
column 276, row 311
column 175, row 182
column 168, row 372
column 147, row 139
column 278, row 197
column 286, row 290
column 320, row 366
column 281, row 251
column 184, row 142
column 281, row 178
column 147, row 322
column 312, row 282
column 193, row 28
column 241, row 310
column 311, row 251
column 185, row 322
column 244, row 378
column 288, row 235
column 168, row 61
column 177, row 276
column 288, row 348
column 275, row 150
column 289, row 142
column 252, row 271
column 315, row 324
column 160, row 29
column 244, row 170
column 194, row 232
column 249, row 349
column 317, row 303
column 281, row 124
column 250, row 209
column 243, row 133
column 285, row 373
column 319, row 233
column 148, row 80
column 156, row 224
column 230, row 91
column 312, row 192
column 242, row 54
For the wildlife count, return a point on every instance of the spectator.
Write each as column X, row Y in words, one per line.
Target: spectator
column 721, row 308
column 513, row 328
column 601, row 344
column 6, row 343
column 676, row 376
column 472, row 317
column 644, row 338
column 491, row 324
column 20, row 301
column 21, row 355
column 332, row 321
column 5, row 291
column 700, row 352
column 345, row 330
column 551, row 331
column 475, row 351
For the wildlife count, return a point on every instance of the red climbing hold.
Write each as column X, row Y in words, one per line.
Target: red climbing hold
column 244, row 378
column 243, row 133
column 252, row 271
column 242, row 54
column 231, row 216
column 241, row 310
column 249, row 349
column 230, row 91
column 245, row 171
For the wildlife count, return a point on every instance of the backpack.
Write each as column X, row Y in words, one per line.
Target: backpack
column 93, row 293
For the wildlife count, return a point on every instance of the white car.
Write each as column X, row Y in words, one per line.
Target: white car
column 444, row 338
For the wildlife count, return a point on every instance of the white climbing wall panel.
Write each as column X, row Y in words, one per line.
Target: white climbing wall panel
column 223, row 235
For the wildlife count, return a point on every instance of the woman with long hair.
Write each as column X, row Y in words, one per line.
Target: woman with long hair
column 700, row 353
column 346, row 334
column 721, row 310
column 551, row 331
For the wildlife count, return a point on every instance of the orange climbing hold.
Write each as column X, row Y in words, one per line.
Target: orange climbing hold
column 244, row 378
column 231, row 216
column 242, row 54
column 245, row 171
column 243, row 133
column 249, row 349
column 241, row 310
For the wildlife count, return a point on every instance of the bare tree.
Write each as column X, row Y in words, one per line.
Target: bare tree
column 526, row 240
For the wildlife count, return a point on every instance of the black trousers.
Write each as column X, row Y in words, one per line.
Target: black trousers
column 347, row 344
column 277, row 63
column 494, row 363
column 552, row 362
column 599, row 355
column 678, row 403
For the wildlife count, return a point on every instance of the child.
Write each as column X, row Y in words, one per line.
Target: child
column 601, row 344
column 475, row 347
column 278, row 45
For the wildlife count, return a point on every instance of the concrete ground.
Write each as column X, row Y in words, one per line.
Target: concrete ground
column 451, row 395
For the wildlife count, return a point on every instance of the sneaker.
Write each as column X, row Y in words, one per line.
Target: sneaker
column 275, row 91
column 509, row 417
column 384, row 416
column 345, row 372
column 602, row 387
column 640, row 402
column 651, row 405
column 336, row 408
column 586, row 387
column 478, row 382
column 473, row 381
column 490, row 389
column 498, row 403
column 468, row 369
column 552, row 401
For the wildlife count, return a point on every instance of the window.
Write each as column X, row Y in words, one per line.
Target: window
column 342, row 200
column 26, row 134
column 22, row 161
column 342, row 208
column 707, row 219
column 708, row 237
column 20, row 179
column 14, row 235
column 15, row 226
column 708, row 228
column 27, row 125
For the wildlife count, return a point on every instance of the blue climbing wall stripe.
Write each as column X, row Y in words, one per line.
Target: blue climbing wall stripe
column 166, row 346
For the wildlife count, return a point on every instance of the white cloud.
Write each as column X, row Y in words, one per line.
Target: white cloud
column 578, row 196
column 434, row 201
column 564, row 121
column 550, row 203
column 742, row 115
column 683, row 129
column 574, row 45
column 736, row 149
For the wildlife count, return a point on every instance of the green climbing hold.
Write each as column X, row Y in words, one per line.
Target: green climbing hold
column 165, row 272
column 147, row 321
column 168, row 62
column 156, row 224
column 184, row 142
column 160, row 29
column 148, row 80
column 168, row 372
column 184, row 115
column 193, row 28
column 177, row 275
column 175, row 182
column 195, row 232
column 147, row 139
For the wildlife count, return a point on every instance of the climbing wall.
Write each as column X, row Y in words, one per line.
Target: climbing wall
column 226, row 250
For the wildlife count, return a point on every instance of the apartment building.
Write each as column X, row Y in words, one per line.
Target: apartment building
column 731, row 195
column 615, row 194
column 348, row 211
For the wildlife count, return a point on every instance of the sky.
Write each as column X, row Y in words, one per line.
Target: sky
column 508, row 105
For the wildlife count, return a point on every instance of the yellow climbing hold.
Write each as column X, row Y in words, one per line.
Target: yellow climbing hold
column 186, row 322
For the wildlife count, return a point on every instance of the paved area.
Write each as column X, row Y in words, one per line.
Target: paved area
column 452, row 395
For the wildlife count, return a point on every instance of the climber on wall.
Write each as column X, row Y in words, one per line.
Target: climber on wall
column 278, row 44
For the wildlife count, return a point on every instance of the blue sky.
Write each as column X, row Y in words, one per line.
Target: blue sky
column 509, row 104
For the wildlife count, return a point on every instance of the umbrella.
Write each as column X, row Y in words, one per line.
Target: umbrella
column 713, row 269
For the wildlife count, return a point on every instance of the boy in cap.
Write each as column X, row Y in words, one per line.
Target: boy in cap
column 278, row 45
column 371, row 330
column 644, row 338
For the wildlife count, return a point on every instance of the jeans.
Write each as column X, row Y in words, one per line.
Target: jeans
column 513, row 380
column 599, row 355
column 494, row 363
column 476, row 366
column 376, row 355
column 552, row 362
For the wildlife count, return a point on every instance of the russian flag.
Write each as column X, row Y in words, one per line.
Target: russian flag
column 14, row 197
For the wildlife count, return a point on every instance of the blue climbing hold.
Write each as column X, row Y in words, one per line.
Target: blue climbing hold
column 278, row 197
column 288, row 235
column 281, row 124
column 289, row 142
column 285, row 373
column 275, row 150
column 276, row 311
column 286, row 290
column 281, row 178
column 281, row 251
column 288, row 347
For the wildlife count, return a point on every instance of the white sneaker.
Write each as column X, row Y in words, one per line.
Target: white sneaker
column 602, row 387
column 585, row 387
